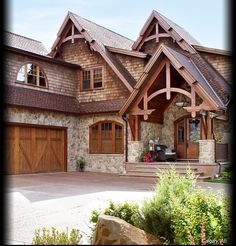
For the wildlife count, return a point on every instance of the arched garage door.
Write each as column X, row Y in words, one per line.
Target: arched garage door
column 34, row 149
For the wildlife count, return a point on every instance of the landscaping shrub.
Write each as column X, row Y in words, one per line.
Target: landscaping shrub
column 54, row 237
column 179, row 212
column 125, row 211
column 156, row 215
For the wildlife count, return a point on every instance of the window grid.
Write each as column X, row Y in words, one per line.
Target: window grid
column 31, row 74
column 92, row 79
column 106, row 138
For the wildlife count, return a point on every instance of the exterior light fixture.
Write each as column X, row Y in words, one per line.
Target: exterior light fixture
column 203, row 112
column 182, row 104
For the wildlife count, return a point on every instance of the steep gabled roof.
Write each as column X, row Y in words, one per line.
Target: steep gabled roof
column 197, row 69
column 103, row 35
column 24, row 43
column 181, row 36
column 98, row 37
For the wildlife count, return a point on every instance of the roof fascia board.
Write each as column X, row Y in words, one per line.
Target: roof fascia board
column 212, row 50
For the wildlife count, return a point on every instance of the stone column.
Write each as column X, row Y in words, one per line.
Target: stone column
column 134, row 150
column 207, row 151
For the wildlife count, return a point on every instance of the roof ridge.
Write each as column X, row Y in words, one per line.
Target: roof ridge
column 101, row 26
column 24, row 37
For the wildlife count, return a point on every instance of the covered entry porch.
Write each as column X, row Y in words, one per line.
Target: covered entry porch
column 174, row 105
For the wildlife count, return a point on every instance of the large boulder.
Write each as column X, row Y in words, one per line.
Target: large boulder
column 115, row 231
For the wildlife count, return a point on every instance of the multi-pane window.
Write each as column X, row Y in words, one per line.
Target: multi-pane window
column 32, row 75
column 106, row 137
column 92, row 79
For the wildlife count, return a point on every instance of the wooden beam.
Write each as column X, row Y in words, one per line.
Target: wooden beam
column 149, row 38
column 193, row 101
column 157, row 32
column 137, row 128
column 204, row 127
column 132, row 128
column 73, row 33
column 168, row 80
column 72, row 38
column 209, row 126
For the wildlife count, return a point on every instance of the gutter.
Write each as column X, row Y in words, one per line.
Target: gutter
column 126, row 137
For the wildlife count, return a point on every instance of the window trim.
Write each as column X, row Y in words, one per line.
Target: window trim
column 25, row 83
column 91, row 69
column 99, row 123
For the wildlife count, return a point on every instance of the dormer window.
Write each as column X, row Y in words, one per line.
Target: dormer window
column 31, row 74
column 92, row 79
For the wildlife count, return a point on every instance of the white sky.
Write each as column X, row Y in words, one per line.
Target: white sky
column 205, row 20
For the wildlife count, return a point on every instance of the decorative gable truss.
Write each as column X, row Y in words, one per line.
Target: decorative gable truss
column 138, row 104
column 157, row 26
column 71, row 29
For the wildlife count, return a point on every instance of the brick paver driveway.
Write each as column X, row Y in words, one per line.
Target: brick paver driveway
column 66, row 199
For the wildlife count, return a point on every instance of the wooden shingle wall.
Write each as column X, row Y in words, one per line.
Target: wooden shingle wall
column 223, row 64
column 80, row 53
column 61, row 79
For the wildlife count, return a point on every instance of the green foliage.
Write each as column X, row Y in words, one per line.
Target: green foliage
column 125, row 211
column 187, row 216
column 143, row 154
column 81, row 163
column 179, row 212
column 52, row 236
column 156, row 214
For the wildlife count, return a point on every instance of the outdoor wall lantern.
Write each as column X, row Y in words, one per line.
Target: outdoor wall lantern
column 182, row 104
column 203, row 112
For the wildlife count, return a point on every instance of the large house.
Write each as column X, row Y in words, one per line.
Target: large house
column 102, row 97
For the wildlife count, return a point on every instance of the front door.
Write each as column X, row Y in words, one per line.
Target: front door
column 187, row 134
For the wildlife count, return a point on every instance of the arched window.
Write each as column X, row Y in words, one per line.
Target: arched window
column 106, row 137
column 32, row 74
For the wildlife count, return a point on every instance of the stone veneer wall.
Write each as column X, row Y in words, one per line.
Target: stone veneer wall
column 149, row 131
column 170, row 115
column 207, row 151
column 77, row 137
column 108, row 163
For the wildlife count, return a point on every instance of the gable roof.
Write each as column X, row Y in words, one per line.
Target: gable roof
column 24, row 43
column 198, row 70
column 98, row 37
column 103, row 35
column 178, row 33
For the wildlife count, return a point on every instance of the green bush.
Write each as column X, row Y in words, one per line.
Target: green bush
column 125, row 211
column 52, row 236
column 156, row 214
column 187, row 217
column 177, row 209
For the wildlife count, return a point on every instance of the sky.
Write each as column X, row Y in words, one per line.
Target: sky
column 206, row 20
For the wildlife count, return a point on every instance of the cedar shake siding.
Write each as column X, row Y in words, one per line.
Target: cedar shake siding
column 61, row 79
column 222, row 63
column 134, row 65
column 80, row 53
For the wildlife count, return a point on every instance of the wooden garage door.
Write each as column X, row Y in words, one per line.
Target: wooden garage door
column 35, row 149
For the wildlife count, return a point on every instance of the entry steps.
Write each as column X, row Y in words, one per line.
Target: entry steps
column 151, row 170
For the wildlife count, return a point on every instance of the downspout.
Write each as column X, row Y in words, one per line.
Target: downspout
column 213, row 122
column 125, row 118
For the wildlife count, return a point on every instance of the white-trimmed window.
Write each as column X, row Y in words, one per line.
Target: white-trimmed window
column 32, row 74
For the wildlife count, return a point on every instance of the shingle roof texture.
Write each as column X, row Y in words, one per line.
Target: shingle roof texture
column 30, row 98
column 103, row 35
column 24, row 43
column 203, row 72
column 181, row 31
